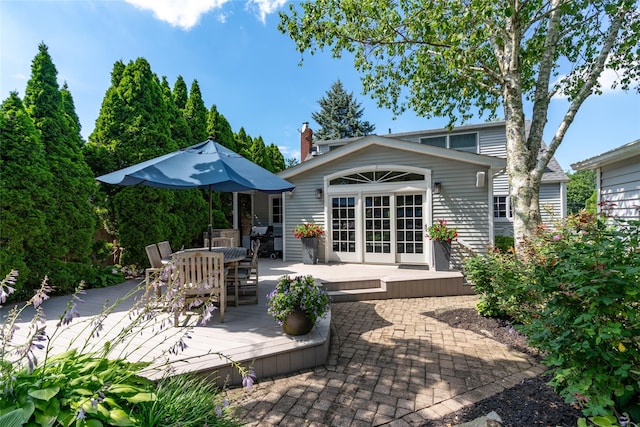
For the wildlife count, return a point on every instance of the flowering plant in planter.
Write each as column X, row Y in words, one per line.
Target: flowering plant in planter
column 308, row 229
column 440, row 231
column 301, row 291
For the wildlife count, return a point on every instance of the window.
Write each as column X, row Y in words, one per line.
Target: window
column 462, row 142
column 465, row 142
column 501, row 208
column 276, row 210
column 375, row 177
column 436, row 141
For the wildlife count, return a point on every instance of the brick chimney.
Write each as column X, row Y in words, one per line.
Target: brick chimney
column 306, row 142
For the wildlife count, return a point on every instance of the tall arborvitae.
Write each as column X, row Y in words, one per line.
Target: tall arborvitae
column 340, row 115
column 277, row 159
column 180, row 95
column 109, row 126
column 196, row 114
column 70, row 218
column 180, row 132
column 220, row 129
column 243, row 143
column 69, row 108
column 135, row 125
column 259, row 154
column 190, row 206
column 25, row 196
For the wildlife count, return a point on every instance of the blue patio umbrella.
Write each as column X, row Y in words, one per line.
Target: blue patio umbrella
column 207, row 165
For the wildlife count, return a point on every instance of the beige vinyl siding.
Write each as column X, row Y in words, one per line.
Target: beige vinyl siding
column 620, row 184
column 550, row 202
column 460, row 203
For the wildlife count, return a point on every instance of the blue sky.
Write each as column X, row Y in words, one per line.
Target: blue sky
column 243, row 65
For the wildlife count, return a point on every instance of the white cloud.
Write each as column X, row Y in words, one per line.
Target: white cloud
column 186, row 13
column 179, row 13
column 606, row 80
column 265, row 7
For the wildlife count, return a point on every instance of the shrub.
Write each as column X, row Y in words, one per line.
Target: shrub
column 503, row 243
column 587, row 272
column 500, row 279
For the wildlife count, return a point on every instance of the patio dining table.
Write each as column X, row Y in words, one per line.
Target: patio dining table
column 231, row 253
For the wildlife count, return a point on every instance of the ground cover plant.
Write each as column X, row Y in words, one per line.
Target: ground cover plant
column 102, row 377
column 575, row 294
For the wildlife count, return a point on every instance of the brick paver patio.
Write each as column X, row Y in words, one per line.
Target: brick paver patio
column 390, row 364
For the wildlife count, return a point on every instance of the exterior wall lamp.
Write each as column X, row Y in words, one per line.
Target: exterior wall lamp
column 437, row 187
column 318, row 193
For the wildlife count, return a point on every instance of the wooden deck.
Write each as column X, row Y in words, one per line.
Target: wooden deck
column 249, row 335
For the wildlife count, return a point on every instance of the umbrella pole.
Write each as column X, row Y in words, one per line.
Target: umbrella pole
column 210, row 229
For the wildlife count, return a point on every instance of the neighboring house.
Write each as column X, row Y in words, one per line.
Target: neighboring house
column 376, row 194
column 618, row 179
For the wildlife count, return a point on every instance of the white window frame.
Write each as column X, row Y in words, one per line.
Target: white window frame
column 507, row 202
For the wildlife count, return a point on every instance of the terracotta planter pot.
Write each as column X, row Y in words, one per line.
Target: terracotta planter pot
column 442, row 254
column 309, row 250
column 297, row 323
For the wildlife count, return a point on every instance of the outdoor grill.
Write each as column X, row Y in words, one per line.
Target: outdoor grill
column 270, row 245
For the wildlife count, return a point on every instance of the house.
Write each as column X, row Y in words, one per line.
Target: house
column 375, row 194
column 617, row 179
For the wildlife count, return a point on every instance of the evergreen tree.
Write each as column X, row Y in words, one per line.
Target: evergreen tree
column 220, row 129
column 69, row 218
column 180, row 95
column 134, row 125
column 277, row 159
column 69, row 108
column 259, row 154
column 110, row 125
column 188, row 205
column 340, row 115
column 180, row 132
column 24, row 192
column 243, row 143
column 196, row 114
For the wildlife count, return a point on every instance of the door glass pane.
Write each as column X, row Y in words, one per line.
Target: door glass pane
column 343, row 222
column 377, row 224
column 409, row 233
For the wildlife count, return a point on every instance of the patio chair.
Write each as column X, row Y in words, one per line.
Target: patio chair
column 244, row 279
column 165, row 249
column 199, row 276
column 217, row 242
column 155, row 260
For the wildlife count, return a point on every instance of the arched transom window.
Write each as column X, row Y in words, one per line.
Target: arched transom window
column 376, row 177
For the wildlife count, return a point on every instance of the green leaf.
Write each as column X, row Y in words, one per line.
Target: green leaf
column 45, row 393
column 123, row 389
column 93, row 423
column 142, row 397
column 604, row 421
column 45, row 420
column 120, row 418
column 15, row 418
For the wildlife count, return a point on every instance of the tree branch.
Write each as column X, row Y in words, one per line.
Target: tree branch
column 589, row 82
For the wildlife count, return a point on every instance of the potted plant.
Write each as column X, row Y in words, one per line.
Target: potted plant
column 442, row 235
column 309, row 233
column 297, row 303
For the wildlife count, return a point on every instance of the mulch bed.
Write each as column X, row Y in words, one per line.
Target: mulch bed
column 531, row 403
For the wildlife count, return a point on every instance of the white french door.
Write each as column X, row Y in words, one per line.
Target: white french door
column 377, row 216
column 409, row 228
